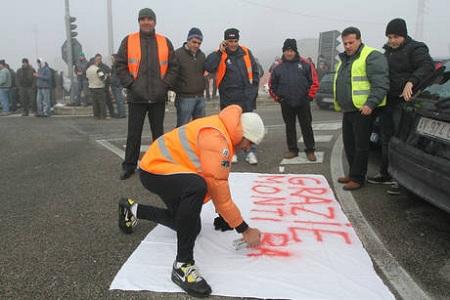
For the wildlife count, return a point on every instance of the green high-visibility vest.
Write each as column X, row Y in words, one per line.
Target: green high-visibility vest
column 360, row 81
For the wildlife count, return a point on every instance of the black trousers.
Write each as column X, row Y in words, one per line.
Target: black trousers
column 109, row 102
column 356, row 131
column 26, row 95
column 183, row 195
column 136, row 117
column 303, row 114
column 389, row 126
column 98, row 103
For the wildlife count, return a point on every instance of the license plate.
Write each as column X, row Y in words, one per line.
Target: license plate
column 328, row 100
column 434, row 128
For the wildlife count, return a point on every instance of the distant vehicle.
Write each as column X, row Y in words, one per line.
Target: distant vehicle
column 324, row 96
column 419, row 155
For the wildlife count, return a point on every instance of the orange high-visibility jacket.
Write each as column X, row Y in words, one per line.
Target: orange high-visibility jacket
column 222, row 67
column 205, row 147
column 134, row 54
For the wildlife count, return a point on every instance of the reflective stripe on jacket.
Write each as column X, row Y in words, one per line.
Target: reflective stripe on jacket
column 134, row 54
column 360, row 83
column 204, row 147
column 222, row 67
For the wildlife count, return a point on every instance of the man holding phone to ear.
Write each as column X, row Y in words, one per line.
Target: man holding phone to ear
column 237, row 77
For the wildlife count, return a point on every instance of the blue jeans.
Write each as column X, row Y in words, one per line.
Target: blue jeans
column 117, row 93
column 43, row 102
column 4, row 99
column 189, row 108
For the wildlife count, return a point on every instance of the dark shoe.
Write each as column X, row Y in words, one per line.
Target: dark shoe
column 344, row 179
column 189, row 279
column 290, row 154
column 24, row 114
column 395, row 189
column 311, row 156
column 126, row 174
column 380, row 179
column 127, row 221
column 352, row 185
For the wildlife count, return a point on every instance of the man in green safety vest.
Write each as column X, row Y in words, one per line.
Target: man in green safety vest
column 360, row 86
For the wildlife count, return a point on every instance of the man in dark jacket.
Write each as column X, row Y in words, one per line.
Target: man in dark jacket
column 361, row 85
column 147, row 72
column 293, row 83
column 190, row 86
column 25, row 81
column 237, row 76
column 409, row 64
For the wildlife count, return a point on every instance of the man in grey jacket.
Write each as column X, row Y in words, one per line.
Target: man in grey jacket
column 361, row 85
column 5, row 86
column 43, row 84
column 190, row 86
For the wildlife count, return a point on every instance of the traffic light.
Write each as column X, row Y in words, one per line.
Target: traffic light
column 328, row 43
column 72, row 26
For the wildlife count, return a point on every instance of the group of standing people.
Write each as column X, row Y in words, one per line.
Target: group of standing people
column 35, row 89
column 369, row 83
column 190, row 165
column 99, row 86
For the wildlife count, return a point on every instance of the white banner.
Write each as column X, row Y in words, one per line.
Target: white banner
column 309, row 249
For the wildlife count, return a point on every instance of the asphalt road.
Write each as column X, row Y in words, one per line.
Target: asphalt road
column 59, row 193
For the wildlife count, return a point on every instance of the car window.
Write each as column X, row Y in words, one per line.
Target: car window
column 437, row 91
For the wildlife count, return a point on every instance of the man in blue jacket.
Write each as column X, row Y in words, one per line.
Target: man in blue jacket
column 43, row 84
column 293, row 83
column 237, row 77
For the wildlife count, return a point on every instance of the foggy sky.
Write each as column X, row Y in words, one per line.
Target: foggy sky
column 36, row 28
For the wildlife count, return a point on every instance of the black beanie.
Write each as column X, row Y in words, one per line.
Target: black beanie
column 195, row 33
column 290, row 44
column 231, row 34
column 147, row 13
column 398, row 27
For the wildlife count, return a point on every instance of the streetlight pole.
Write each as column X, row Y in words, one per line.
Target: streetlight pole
column 69, row 50
column 110, row 28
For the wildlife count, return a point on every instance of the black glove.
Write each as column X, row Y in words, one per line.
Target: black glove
column 221, row 224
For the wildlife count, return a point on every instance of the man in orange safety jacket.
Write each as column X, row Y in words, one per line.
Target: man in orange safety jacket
column 187, row 167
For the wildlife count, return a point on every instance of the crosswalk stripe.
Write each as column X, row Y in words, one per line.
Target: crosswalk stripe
column 327, row 126
column 319, row 138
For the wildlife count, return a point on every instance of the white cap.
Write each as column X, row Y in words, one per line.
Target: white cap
column 253, row 127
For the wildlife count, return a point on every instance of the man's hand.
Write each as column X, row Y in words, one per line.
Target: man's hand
column 407, row 91
column 223, row 46
column 365, row 110
column 221, row 224
column 252, row 236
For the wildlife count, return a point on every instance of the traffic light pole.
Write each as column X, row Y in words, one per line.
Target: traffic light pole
column 69, row 50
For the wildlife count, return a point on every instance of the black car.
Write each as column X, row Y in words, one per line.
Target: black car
column 419, row 155
column 324, row 96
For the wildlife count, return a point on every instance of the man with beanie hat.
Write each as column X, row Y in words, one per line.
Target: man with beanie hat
column 190, row 85
column 294, row 84
column 187, row 167
column 25, row 82
column 237, row 76
column 409, row 64
column 146, row 66
column 360, row 86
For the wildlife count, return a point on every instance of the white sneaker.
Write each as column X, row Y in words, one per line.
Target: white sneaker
column 251, row 158
column 234, row 159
